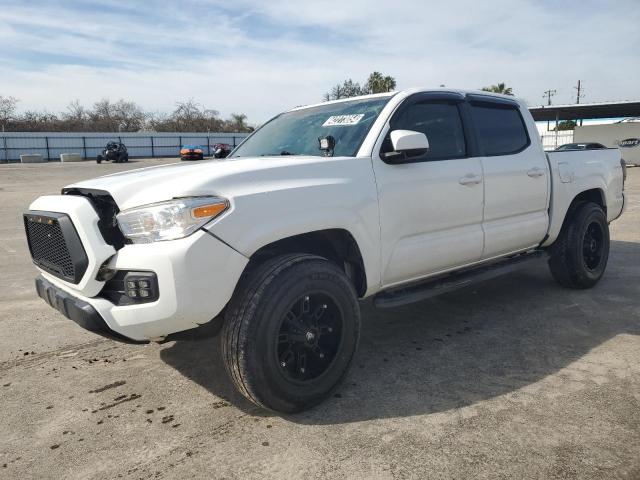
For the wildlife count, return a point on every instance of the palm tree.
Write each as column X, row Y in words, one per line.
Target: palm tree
column 499, row 88
column 238, row 120
column 378, row 83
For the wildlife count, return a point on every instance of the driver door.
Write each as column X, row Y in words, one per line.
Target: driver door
column 431, row 207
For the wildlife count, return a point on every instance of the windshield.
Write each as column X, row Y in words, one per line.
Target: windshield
column 297, row 132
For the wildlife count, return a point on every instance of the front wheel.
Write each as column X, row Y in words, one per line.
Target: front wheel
column 291, row 331
column 579, row 256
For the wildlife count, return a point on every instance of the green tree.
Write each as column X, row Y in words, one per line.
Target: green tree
column 376, row 83
column 499, row 88
column 379, row 83
column 238, row 123
column 566, row 125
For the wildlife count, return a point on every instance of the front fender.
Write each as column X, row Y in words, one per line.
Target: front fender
column 290, row 208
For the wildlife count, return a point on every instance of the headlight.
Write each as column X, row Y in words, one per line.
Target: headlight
column 170, row 220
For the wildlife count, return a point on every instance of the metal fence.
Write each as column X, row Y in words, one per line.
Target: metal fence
column 90, row 145
column 551, row 140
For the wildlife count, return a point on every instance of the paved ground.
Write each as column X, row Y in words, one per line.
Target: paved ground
column 516, row 378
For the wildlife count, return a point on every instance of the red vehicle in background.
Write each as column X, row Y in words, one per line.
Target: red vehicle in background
column 221, row 150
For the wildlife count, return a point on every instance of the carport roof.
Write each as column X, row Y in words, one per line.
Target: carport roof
column 627, row 108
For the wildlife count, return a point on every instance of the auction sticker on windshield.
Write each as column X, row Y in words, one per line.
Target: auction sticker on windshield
column 343, row 120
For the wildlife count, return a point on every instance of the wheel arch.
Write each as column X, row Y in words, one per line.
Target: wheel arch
column 336, row 244
column 595, row 195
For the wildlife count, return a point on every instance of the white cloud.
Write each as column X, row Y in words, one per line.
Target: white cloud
column 262, row 57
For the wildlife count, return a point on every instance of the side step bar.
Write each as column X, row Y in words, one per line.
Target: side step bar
column 448, row 282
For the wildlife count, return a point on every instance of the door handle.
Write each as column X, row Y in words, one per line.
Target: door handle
column 535, row 172
column 470, row 179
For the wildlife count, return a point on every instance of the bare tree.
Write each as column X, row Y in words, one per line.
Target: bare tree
column 120, row 116
column 187, row 115
column 129, row 116
column 102, row 116
column 7, row 109
column 346, row 89
column 76, row 117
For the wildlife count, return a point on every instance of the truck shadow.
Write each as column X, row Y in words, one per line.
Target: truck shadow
column 457, row 349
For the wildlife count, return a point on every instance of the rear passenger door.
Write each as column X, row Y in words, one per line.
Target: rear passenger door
column 431, row 205
column 515, row 177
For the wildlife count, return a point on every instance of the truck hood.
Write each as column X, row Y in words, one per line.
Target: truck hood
column 225, row 177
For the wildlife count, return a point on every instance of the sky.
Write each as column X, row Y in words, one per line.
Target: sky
column 265, row 56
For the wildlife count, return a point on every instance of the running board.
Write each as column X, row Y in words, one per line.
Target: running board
column 452, row 281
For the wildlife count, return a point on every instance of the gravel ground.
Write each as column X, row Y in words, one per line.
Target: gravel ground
column 514, row 378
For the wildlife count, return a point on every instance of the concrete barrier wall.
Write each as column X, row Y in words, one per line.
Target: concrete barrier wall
column 89, row 144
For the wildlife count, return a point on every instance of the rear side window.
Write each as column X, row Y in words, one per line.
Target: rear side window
column 440, row 122
column 500, row 128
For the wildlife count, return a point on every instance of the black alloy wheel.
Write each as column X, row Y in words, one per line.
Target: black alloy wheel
column 309, row 337
column 592, row 246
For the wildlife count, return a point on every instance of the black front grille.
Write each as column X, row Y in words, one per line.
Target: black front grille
column 55, row 245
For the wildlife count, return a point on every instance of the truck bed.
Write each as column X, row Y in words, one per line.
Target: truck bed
column 576, row 171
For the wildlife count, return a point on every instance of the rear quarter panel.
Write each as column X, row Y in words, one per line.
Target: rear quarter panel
column 573, row 172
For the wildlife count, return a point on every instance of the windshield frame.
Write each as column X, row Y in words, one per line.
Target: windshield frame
column 388, row 95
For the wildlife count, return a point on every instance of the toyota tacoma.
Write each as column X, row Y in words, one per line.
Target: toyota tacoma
column 394, row 197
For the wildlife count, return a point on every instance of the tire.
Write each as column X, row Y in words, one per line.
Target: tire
column 579, row 256
column 99, row 159
column 275, row 353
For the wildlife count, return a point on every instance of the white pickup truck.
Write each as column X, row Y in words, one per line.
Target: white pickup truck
column 394, row 196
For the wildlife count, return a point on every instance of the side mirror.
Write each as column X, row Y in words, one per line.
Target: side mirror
column 406, row 144
column 403, row 140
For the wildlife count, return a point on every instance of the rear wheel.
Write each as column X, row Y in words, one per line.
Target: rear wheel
column 291, row 331
column 580, row 254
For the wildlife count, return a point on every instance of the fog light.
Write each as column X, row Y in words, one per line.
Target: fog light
column 131, row 288
column 141, row 286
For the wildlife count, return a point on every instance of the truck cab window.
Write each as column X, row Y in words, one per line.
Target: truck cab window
column 440, row 122
column 501, row 130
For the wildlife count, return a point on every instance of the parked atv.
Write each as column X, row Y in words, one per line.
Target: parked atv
column 221, row 150
column 115, row 152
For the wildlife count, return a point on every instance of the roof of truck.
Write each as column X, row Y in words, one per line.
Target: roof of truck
column 409, row 91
